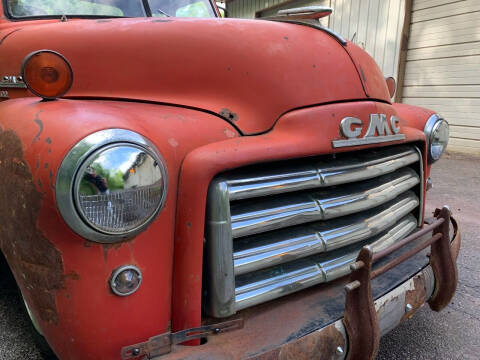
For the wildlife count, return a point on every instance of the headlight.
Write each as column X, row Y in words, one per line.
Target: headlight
column 437, row 134
column 111, row 185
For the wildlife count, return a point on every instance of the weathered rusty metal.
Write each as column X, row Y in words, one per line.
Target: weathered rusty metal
column 360, row 316
column 457, row 238
column 443, row 264
column 403, row 257
column 381, row 254
column 29, row 253
column 415, row 298
column 360, row 321
column 319, row 345
column 162, row 344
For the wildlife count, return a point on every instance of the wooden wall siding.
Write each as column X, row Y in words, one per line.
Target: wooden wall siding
column 443, row 66
column 375, row 25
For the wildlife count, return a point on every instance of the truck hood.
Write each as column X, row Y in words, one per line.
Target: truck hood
column 248, row 71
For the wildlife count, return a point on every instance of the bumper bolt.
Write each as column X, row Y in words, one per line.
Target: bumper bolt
column 408, row 308
column 136, row 352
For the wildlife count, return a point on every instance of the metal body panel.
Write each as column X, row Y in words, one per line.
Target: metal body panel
column 76, row 302
column 164, row 73
column 288, row 140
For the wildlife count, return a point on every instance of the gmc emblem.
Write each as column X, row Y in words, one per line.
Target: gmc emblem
column 379, row 130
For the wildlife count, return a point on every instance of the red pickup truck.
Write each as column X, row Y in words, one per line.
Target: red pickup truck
column 177, row 185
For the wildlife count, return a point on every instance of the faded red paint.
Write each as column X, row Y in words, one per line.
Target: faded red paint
column 82, row 331
column 203, row 84
column 187, row 67
column 297, row 134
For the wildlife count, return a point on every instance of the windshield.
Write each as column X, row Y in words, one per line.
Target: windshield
column 109, row 8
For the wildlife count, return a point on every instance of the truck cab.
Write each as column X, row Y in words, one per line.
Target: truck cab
column 177, row 185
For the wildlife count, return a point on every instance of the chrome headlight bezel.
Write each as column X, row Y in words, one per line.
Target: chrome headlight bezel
column 432, row 124
column 75, row 160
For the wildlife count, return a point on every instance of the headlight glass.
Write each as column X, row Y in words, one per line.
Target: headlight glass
column 119, row 188
column 439, row 139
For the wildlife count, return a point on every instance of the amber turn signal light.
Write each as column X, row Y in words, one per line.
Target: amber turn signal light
column 47, row 74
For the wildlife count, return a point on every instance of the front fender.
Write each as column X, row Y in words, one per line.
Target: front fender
column 63, row 276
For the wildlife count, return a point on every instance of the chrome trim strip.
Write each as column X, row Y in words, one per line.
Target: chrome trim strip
column 422, row 188
column 281, row 280
column 322, row 175
column 265, row 250
column 255, row 217
column 367, row 140
column 221, row 282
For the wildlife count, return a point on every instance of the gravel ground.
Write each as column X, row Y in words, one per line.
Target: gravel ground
column 451, row 334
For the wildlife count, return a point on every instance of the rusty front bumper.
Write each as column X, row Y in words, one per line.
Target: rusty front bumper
column 295, row 327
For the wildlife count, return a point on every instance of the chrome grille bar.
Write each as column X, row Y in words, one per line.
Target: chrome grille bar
column 297, row 223
column 322, row 175
column 279, row 212
column 265, row 250
column 284, row 279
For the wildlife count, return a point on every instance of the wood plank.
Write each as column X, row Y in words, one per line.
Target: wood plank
column 425, row 80
column 449, row 23
column 454, row 68
column 392, row 39
column 448, row 38
column 373, row 11
column 426, row 4
column 451, row 61
column 448, row 103
column 457, row 50
column 381, row 32
column 464, row 146
column 465, row 132
column 446, row 10
column 452, row 91
column 459, row 31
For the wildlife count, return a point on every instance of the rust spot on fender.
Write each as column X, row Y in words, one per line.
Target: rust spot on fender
column 35, row 262
column 229, row 115
column 107, row 247
column 40, row 125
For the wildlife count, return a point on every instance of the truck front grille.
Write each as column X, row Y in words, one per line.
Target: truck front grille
column 276, row 229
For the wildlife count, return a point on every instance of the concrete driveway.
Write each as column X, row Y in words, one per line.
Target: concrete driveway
column 452, row 334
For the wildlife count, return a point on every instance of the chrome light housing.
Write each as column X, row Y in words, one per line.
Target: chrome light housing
column 437, row 135
column 111, row 185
